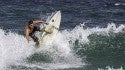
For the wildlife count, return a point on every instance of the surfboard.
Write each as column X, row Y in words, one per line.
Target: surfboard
column 53, row 27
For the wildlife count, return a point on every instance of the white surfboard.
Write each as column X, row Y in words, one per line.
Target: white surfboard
column 53, row 26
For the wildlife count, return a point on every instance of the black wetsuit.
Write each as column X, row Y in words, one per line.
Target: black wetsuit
column 32, row 34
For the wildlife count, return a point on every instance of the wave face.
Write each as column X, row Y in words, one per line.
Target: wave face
column 104, row 47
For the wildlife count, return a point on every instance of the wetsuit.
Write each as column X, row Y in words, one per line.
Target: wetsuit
column 32, row 34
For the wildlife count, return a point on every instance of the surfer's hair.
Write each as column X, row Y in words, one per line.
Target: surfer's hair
column 30, row 22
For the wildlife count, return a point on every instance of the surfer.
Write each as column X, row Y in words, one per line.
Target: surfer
column 32, row 27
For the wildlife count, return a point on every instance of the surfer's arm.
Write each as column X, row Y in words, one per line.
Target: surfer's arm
column 27, row 34
column 39, row 22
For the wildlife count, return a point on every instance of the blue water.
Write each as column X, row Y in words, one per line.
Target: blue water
column 86, row 35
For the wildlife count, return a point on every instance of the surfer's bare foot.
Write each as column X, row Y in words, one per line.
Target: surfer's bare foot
column 48, row 32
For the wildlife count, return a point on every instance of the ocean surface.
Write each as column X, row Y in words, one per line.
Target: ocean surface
column 91, row 35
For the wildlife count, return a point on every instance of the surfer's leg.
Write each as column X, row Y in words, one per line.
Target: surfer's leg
column 43, row 30
column 37, row 43
column 35, row 39
column 49, row 32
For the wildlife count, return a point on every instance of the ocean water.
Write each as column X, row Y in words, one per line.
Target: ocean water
column 91, row 35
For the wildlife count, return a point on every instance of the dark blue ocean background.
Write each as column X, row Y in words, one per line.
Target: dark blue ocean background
column 102, row 52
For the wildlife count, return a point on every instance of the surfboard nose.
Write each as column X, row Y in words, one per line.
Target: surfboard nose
column 59, row 12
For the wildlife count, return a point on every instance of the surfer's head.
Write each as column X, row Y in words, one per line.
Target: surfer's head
column 30, row 24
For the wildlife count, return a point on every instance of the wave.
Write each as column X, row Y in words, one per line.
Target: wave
column 13, row 49
column 16, row 52
column 105, row 46
column 70, row 47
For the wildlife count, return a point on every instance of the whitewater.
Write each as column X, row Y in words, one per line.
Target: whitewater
column 16, row 51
